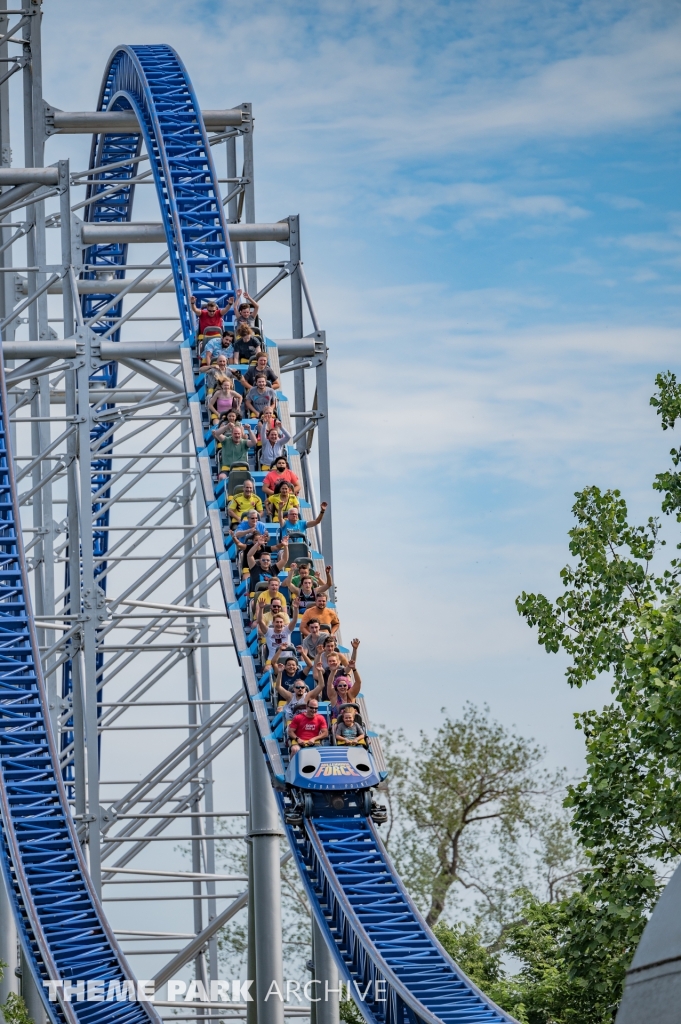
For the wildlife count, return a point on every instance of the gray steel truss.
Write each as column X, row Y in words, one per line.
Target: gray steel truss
column 147, row 740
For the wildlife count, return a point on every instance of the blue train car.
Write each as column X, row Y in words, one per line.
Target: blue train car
column 326, row 781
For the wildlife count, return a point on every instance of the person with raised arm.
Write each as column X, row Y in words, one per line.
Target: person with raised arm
column 278, row 635
column 247, row 308
column 234, row 448
column 342, row 688
column 210, row 318
column 259, row 562
column 308, row 587
column 294, row 524
column 273, row 440
column 289, row 682
column 246, row 534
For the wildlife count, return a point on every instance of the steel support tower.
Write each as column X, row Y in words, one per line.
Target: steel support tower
column 148, row 653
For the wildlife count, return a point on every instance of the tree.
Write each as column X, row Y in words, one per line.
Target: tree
column 466, row 805
column 617, row 615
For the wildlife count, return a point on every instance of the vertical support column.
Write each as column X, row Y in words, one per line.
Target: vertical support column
column 192, row 709
column 29, row 157
column 249, row 198
column 251, row 972
column 326, row 973
column 31, row 994
column 9, row 952
column 297, row 321
column 207, row 780
column 324, row 454
column 233, row 204
column 90, row 603
column 7, row 283
column 265, row 833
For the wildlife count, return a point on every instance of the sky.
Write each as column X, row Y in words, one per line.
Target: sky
column 491, row 230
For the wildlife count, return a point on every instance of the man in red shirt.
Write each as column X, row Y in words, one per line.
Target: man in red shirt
column 307, row 728
column 279, row 472
column 210, row 318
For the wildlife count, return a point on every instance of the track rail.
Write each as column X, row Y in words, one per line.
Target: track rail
column 374, row 929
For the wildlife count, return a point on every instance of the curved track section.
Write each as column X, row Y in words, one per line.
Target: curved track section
column 375, row 930
column 59, row 918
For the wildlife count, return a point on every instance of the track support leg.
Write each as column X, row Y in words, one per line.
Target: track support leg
column 266, row 832
column 326, row 973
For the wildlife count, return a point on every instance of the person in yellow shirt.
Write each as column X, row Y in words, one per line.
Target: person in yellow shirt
column 239, row 505
column 282, row 500
column 265, row 597
column 277, row 609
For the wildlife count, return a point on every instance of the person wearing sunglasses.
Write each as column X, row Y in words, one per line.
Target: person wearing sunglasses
column 307, row 728
column 291, row 686
column 342, row 688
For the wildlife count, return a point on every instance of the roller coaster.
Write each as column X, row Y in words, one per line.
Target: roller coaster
column 63, row 684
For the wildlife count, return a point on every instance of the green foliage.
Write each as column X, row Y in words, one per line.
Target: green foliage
column 350, row 1013
column 454, row 796
column 616, row 616
column 667, row 401
column 464, row 944
column 14, row 1010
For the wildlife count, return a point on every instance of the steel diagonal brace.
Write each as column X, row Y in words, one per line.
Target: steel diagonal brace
column 62, row 462
column 20, row 24
column 119, row 322
column 146, row 369
column 157, row 775
column 28, row 302
column 121, row 295
column 146, row 528
column 141, row 687
column 19, row 63
column 193, row 948
column 190, row 773
column 145, row 453
column 35, row 368
column 166, row 616
column 99, row 450
column 176, row 547
column 111, row 663
column 284, row 273
column 112, row 501
column 44, row 453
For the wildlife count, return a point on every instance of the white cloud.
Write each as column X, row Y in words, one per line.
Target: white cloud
column 621, row 202
column 483, row 202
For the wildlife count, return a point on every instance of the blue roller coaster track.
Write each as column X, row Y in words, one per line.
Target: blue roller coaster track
column 371, row 925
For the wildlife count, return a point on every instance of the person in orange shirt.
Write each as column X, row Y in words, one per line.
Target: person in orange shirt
column 324, row 616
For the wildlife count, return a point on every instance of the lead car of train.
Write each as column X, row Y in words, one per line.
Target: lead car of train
column 333, row 781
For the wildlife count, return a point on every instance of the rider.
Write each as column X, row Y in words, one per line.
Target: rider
column 307, row 728
column 210, row 318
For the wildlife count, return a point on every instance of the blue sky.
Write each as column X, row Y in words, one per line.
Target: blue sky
column 491, row 229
